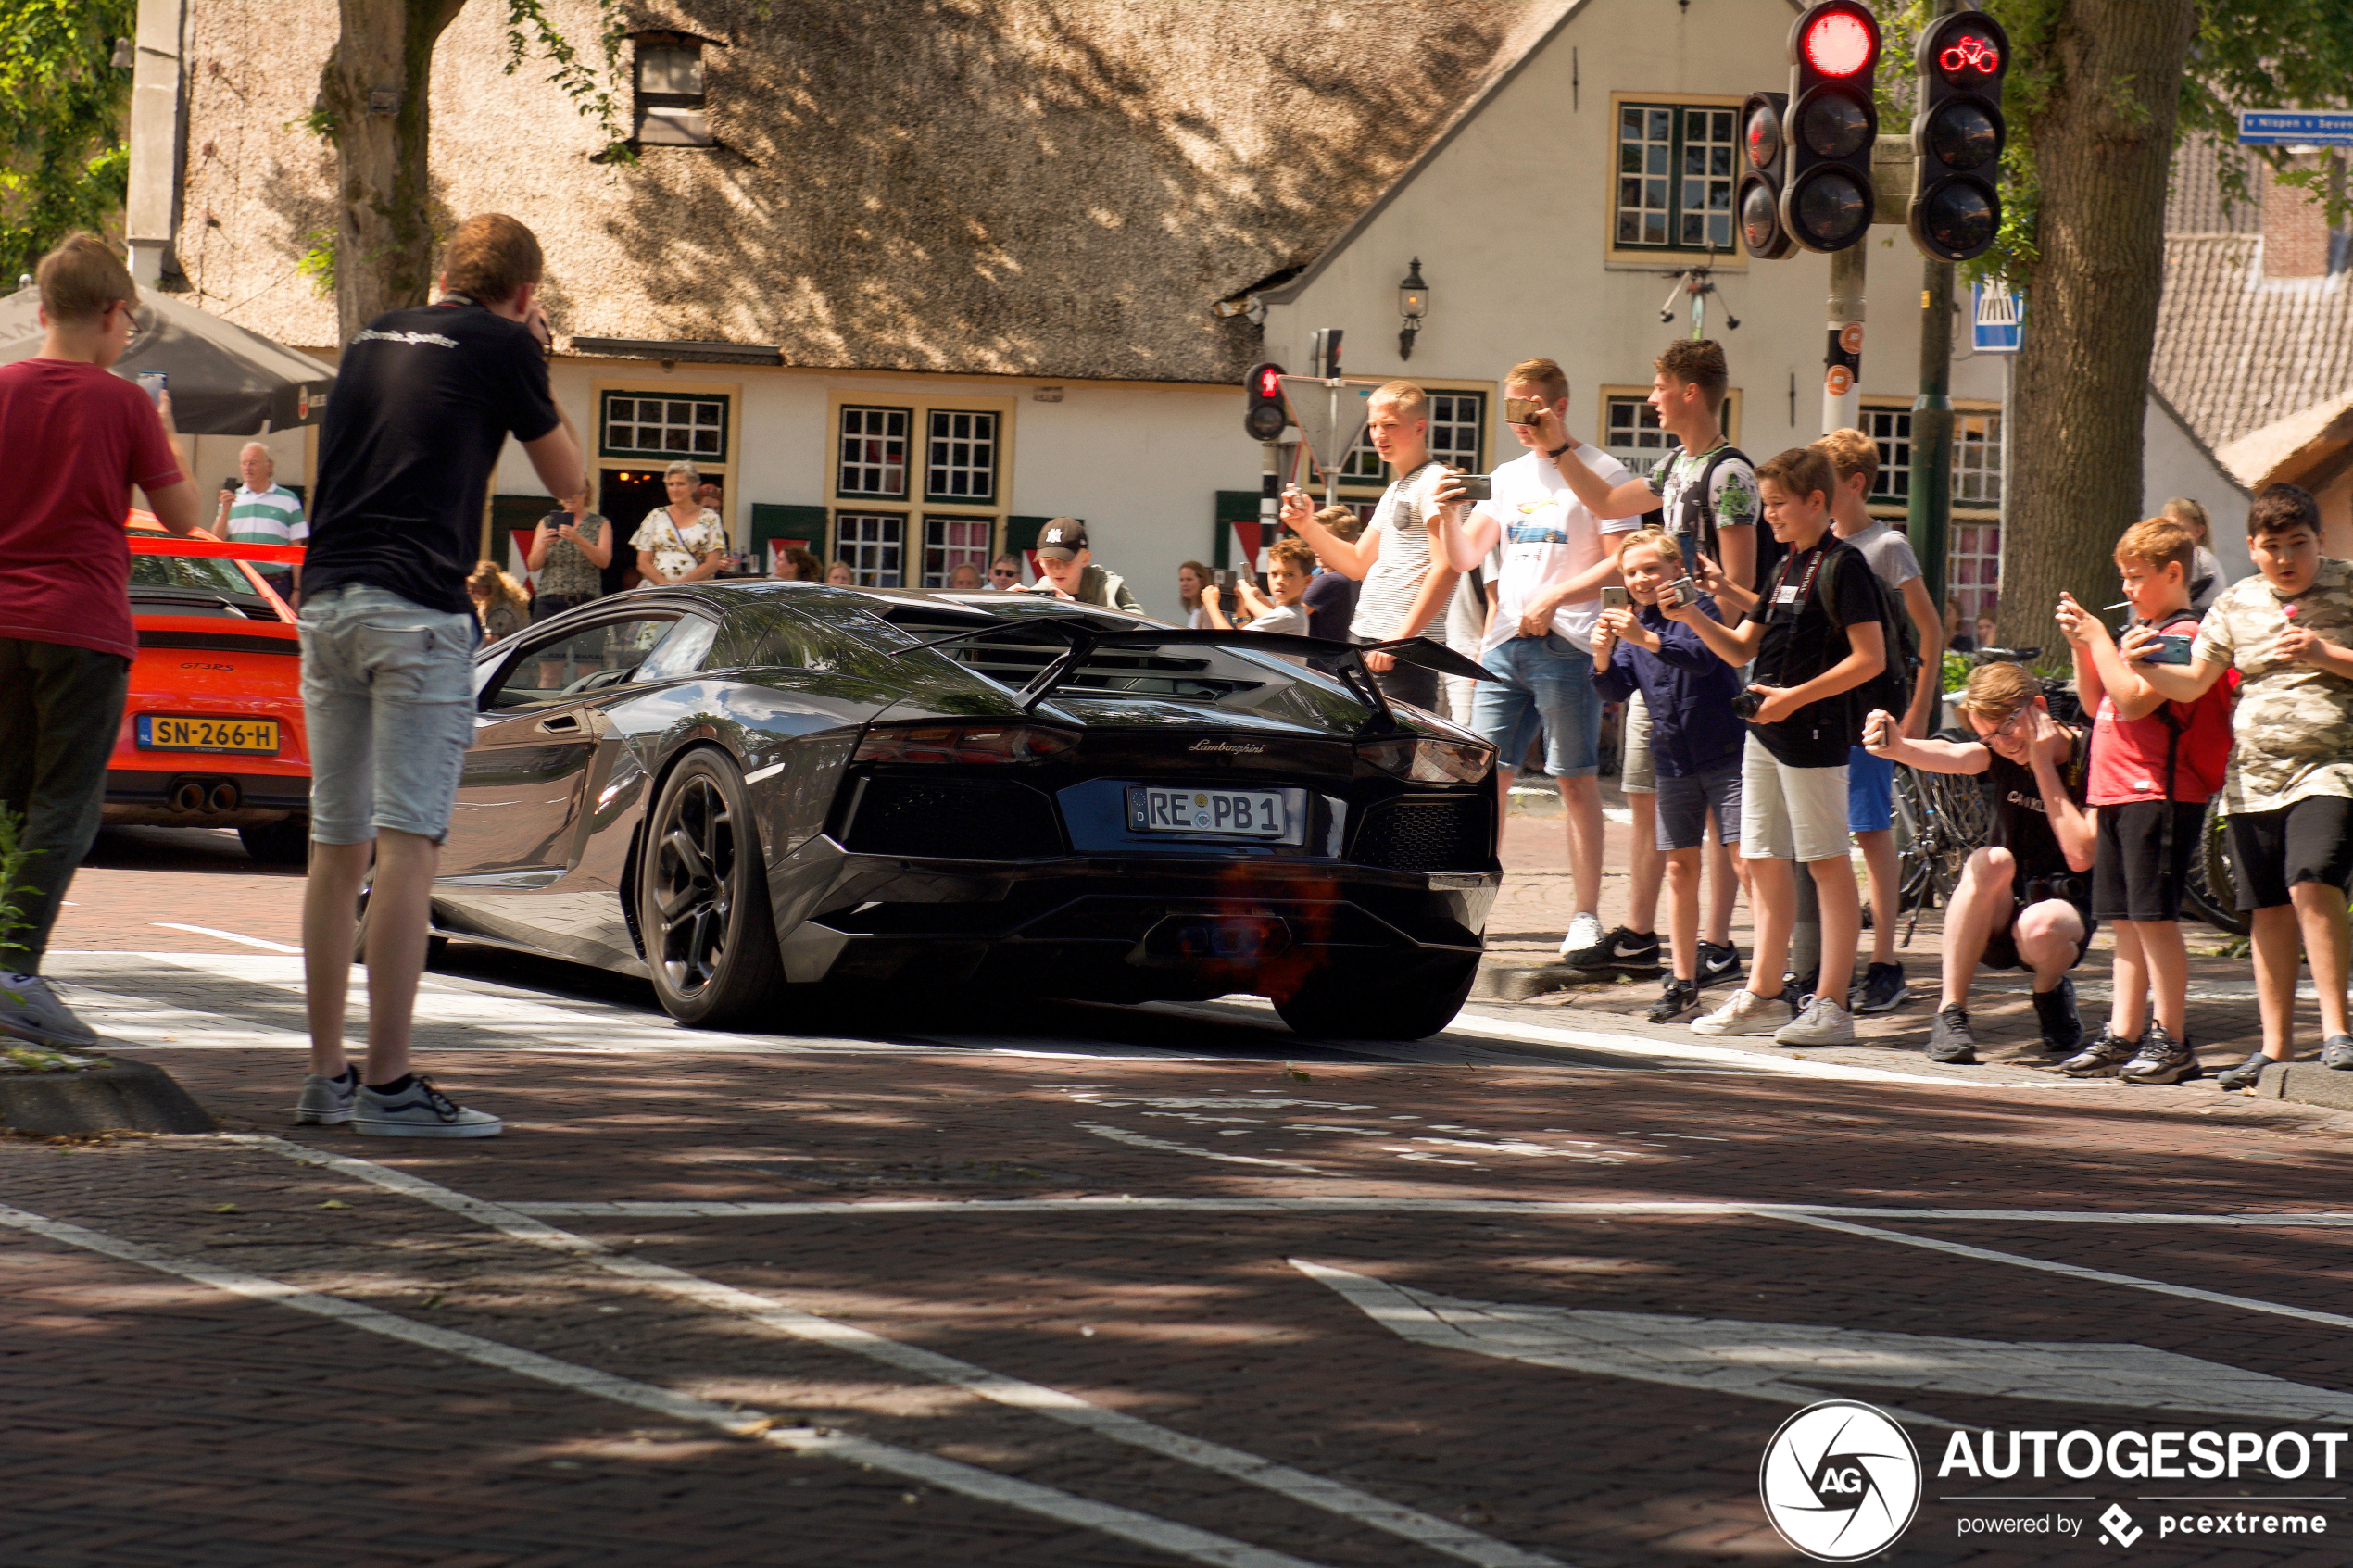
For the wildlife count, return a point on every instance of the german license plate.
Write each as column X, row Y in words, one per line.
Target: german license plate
column 163, row 732
column 1216, row 813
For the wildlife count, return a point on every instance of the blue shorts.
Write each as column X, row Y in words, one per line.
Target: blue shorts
column 1685, row 803
column 1547, row 687
column 1870, row 792
column 388, row 707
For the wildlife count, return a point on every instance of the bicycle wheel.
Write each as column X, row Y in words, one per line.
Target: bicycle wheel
column 2211, row 890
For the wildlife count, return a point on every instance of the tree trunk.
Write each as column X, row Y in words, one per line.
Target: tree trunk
column 376, row 91
column 2103, row 142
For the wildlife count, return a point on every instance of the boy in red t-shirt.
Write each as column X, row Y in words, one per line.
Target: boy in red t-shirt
column 2155, row 764
column 78, row 439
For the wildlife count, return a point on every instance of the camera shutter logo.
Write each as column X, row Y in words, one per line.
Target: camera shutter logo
column 1841, row 1481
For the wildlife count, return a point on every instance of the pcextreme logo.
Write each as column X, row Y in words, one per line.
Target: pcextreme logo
column 1839, row 1481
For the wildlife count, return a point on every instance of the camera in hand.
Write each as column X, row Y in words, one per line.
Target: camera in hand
column 1746, row 702
column 1523, row 411
column 1226, row 577
column 1476, row 487
column 1678, row 594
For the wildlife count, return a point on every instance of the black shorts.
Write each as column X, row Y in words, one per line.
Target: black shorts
column 2132, row 876
column 2001, row 947
column 2272, row 851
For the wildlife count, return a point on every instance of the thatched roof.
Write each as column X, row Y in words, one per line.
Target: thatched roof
column 1005, row 186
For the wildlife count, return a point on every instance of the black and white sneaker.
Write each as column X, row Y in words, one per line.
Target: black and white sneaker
column 2163, row 1060
column 1621, row 952
column 2245, row 1075
column 1799, row 988
column 2062, row 1025
column 1676, row 998
column 1882, row 990
column 2336, row 1053
column 1949, row 1040
column 2102, row 1057
column 417, row 1109
column 1719, row 964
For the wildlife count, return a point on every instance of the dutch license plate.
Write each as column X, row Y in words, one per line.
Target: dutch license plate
column 161, row 731
column 1223, row 813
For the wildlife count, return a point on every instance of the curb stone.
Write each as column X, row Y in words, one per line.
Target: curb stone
column 119, row 1097
column 2308, row 1081
column 1501, row 980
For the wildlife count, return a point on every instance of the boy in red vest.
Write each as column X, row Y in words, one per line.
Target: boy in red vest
column 2155, row 764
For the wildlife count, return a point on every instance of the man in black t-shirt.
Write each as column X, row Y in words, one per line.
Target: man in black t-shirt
column 423, row 400
column 1815, row 635
column 2023, row 901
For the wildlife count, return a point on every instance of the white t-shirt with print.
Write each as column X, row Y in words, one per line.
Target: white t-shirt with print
column 1402, row 525
column 677, row 550
column 1548, row 534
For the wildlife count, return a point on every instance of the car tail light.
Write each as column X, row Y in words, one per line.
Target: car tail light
column 932, row 741
column 1429, row 761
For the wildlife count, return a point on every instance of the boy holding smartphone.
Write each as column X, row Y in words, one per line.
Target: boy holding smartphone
column 2155, row 764
column 2288, row 632
column 1815, row 636
column 1289, row 566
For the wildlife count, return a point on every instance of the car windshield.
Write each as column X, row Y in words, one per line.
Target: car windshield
column 195, row 574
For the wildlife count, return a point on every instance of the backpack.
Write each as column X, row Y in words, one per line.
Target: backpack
column 1892, row 688
column 1698, row 510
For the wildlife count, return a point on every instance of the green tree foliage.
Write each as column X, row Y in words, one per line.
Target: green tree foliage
column 65, row 114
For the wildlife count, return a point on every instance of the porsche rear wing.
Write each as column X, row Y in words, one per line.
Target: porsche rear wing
column 144, row 543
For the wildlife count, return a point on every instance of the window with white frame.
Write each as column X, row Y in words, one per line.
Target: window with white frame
column 1457, row 431
column 951, row 542
column 1973, row 567
column 672, row 103
column 1631, row 433
column 874, row 452
column 640, row 426
column 1675, row 171
column 1890, row 431
column 875, row 543
column 960, row 464
column 1974, row 554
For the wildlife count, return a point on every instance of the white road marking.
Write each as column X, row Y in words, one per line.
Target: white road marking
column 1300, row 1486
column 1120, row 1135
column 226, row 935
column 2101, row 1276
column 946, row 1474
column 1797, row 1364
column 1517, row 1206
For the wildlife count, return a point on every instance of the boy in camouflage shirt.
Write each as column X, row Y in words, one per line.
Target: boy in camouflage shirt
column 2289, row 791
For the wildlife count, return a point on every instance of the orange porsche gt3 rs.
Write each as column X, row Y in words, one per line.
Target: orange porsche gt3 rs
column 212, row 732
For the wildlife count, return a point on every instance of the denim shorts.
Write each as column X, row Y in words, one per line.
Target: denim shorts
column 1547, row 686
column 1871, row 790
column 388, row 699
column 1686, row 803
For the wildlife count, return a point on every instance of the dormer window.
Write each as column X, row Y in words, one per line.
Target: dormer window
column 670, row 93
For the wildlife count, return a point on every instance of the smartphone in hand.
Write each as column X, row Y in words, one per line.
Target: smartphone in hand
column 1613, row 598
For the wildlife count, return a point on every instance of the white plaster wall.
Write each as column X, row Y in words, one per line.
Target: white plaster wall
column 1511, row 222
column 2172, row 463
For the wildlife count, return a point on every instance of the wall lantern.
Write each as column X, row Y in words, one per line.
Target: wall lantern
column 1412, row 304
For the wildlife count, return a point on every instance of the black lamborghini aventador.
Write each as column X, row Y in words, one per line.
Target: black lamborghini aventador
column 742, row 788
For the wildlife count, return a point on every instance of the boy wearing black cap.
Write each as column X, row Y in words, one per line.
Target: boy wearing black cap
column 1066, row 569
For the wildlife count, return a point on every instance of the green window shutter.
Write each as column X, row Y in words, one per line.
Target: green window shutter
column 510, row 515
column 1233, row 506
column 1020, row 532
column 773, row 521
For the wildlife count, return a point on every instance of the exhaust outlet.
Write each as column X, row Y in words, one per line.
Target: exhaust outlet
column 225, row 798
column 187, row 798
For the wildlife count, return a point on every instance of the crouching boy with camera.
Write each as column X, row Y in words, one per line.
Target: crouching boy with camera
column 1816, row 636
column 1695, row 736
column 2021, row 901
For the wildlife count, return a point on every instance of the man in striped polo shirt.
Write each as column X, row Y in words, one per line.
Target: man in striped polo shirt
column 261, row 511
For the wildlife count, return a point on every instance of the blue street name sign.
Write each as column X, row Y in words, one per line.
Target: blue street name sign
column 2295, row 128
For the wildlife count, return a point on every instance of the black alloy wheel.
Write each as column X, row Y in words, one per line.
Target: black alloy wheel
column 702, row 898
column 1359, row 1002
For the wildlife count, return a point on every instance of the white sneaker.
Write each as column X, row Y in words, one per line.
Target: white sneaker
column 31, row 1010
column 1747, row 1013
column 1823, row 1022
column 1584, row 931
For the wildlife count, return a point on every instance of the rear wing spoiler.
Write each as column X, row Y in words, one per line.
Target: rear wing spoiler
column 1086, row 635
column 145, row 543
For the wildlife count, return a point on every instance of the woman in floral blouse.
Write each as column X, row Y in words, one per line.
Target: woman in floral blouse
column 683, row 541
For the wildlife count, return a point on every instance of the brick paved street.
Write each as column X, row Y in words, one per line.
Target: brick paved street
column 1070, row 1285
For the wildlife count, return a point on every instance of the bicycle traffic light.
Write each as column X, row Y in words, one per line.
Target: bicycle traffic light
column 1826, row 201
column 1957, row 136
column 1265, row 418
column 1761, row 175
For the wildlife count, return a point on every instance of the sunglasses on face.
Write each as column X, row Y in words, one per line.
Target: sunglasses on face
column 1000, row 571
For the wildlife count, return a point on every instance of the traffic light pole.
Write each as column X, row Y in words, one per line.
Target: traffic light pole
column 1842, row 361
column 1930, row 504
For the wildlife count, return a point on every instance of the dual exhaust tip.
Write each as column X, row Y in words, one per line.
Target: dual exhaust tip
column 195, row 795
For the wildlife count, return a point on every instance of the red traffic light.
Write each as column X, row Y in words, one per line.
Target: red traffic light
column 1270, row 380
column 1839, row 44
column 1971, row 56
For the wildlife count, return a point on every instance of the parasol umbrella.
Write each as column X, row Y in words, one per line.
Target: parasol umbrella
column 224, row 379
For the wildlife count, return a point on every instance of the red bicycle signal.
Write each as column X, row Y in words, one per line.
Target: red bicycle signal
column 1839, row 43
column 1970, row 52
